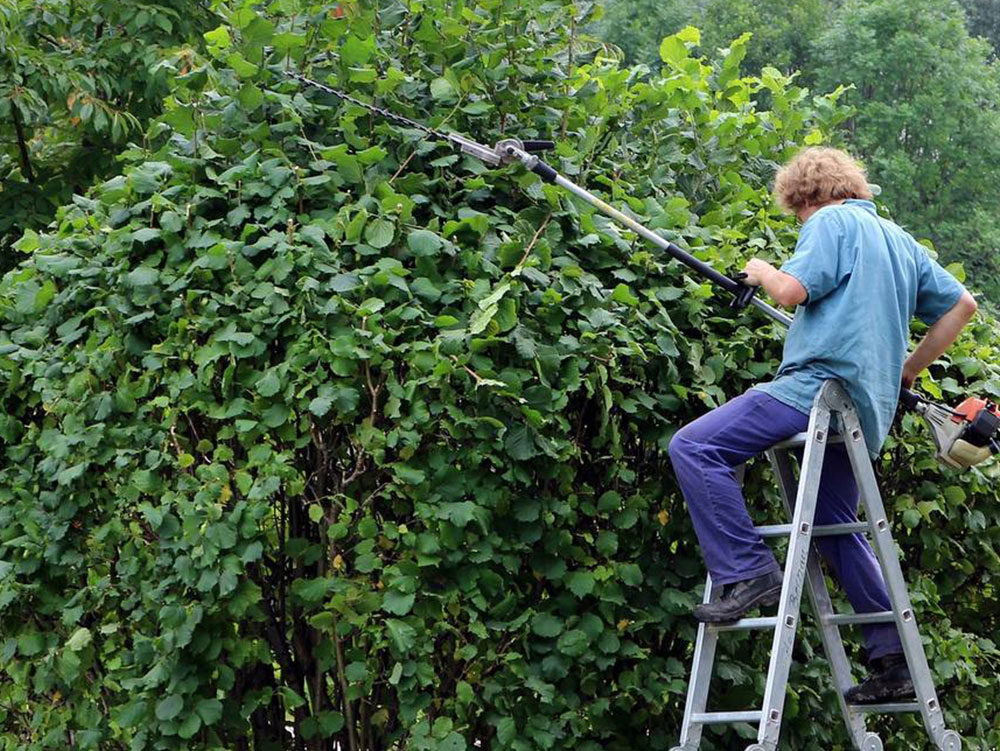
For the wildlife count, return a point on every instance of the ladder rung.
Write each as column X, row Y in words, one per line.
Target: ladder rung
column 850, row 619
column 799, row 439
column 745, row 624
column 910, row 706
column 721, row 718
column 821, row 530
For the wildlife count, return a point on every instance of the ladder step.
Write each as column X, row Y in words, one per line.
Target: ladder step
column 745, row 624
column 799, row 439
column 722, row 718
column 910, row 706
column 820, row 530
column 850, row 619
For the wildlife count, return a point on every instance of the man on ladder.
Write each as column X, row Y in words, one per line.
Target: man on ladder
column 857, row 280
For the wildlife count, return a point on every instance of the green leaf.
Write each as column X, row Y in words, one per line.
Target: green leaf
column 28, row 242
column 954, row 495
column 397, row 603
column 320, row 405
column 519, row 443
column 189, row 727
column 80, row 639
column 355, row 51
column 292, row 698
column 371, row 306
column 145, row 234
column 481, row 319
column 624, row 295
column 380, row 233
column 408, row 475
column 169, row 708
column 287, row 41
column 396, row 674
column 957, row 270
column 452, row 742
column 311, row 590
column 506, row 730
column 459, row 513
column 149, row 177
column 631, row 574
column 401, row 634
column 210, row 710
column 269, row 384
column 573, row 643
column 218, row 39
column 580, row 583
column 675, row 48
column 443, row 90
column 143, row 276
column 607, row 543
column 544, row 624
column 242, row 67
column 423, row 242
column 372, row 155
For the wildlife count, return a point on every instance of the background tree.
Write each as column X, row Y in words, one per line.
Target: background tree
column 637, row 28
column 926, row 122
column 76, row 80
column 783, row 33
column 984, row 20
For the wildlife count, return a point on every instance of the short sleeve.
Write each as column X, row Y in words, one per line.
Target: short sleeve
column 937, row 290
column 822, row 260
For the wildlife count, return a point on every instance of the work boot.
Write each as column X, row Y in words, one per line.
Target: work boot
column 889, row 681
column 740, row 597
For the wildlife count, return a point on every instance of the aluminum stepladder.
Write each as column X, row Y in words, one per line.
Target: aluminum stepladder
column 802, row 568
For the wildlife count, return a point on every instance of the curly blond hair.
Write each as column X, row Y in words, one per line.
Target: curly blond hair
column 818, row 175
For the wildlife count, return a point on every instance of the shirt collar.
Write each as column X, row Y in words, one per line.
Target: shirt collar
column 868, row 206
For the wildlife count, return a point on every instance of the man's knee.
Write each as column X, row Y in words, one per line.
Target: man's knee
column 683, row 445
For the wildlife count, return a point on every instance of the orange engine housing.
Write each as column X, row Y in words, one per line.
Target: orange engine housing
column 971, row 407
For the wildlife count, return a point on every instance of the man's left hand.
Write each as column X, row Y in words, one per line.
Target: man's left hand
column 757, row 272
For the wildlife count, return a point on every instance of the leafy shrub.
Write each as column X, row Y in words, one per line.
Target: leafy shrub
column 319, row 435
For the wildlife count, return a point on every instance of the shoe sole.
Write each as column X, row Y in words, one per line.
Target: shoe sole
column 768, row 597
column 894, row 696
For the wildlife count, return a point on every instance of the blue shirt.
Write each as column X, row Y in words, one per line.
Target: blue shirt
column 866, row 278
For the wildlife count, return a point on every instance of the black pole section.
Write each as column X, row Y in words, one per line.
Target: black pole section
column 545, row 172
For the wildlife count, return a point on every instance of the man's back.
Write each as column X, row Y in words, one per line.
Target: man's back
column 865, row 278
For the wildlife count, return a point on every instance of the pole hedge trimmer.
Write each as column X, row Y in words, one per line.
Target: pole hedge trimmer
column 964, row 436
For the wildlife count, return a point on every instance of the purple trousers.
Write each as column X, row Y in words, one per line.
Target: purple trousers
column 704, row 454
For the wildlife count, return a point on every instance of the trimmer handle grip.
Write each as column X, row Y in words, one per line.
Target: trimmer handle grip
column 531, row 146
column 742, row 293
column 909, row 399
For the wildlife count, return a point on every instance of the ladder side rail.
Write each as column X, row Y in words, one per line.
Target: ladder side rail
column 700, row 679
column 702, row 664
column 797, row 557
column 885, row 550
column 822, row 605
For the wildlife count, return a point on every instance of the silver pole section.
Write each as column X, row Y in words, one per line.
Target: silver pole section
column 658, row 241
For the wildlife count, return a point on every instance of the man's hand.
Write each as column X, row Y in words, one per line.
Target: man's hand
column 757, row 271
column 783, row 288
column 909, row 375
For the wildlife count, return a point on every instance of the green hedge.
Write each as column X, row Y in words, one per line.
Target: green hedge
column 319, row 435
